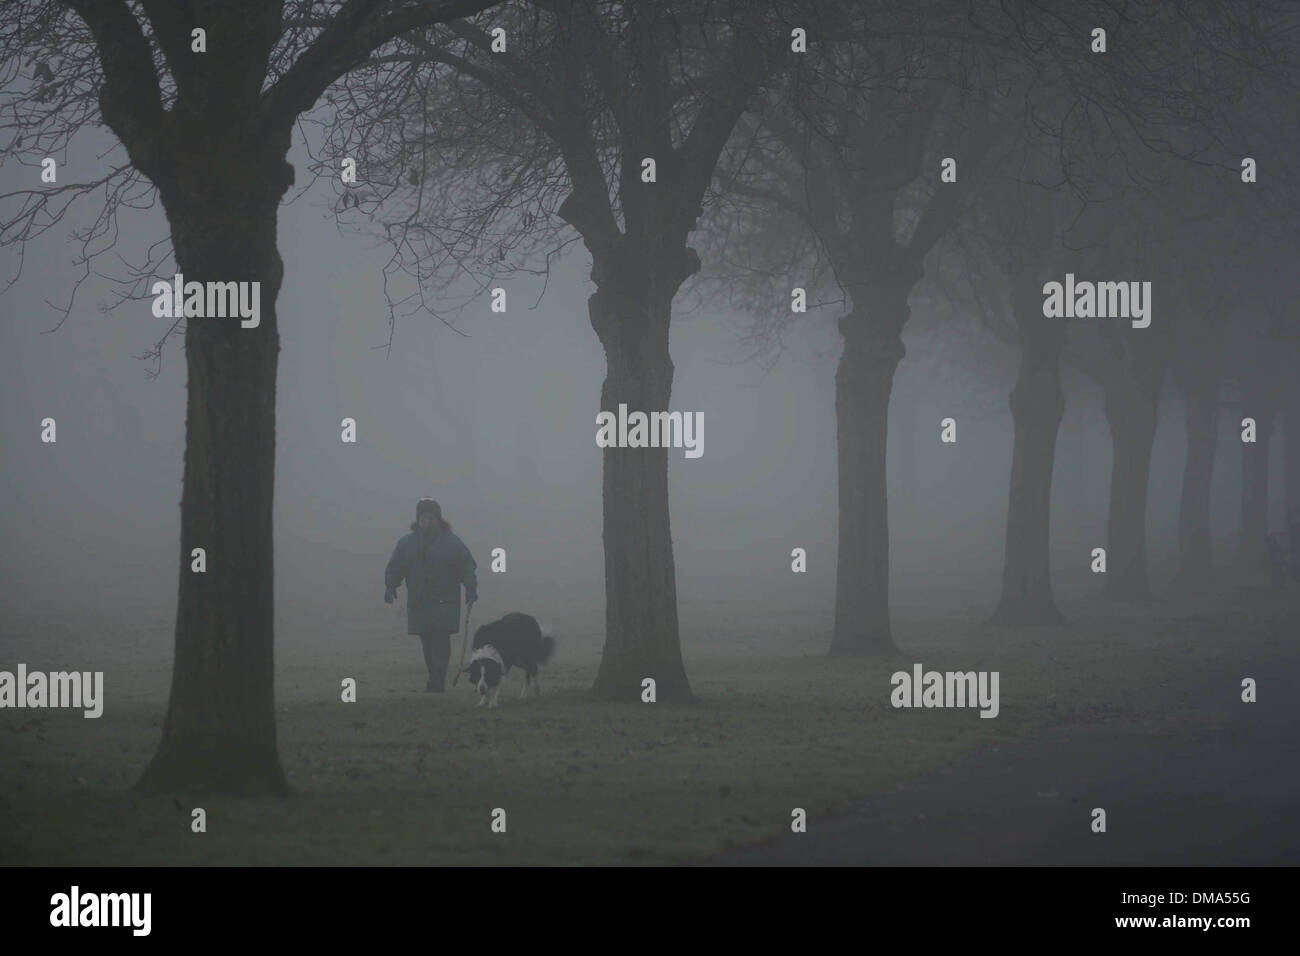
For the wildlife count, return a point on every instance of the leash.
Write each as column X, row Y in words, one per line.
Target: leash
column 464, row 640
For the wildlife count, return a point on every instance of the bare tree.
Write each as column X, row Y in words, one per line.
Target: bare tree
column 1033, row 247
column 1260, row 358
column 849, row 152
column 563, row 125
column 1119, row 127
column 1128, row 363
column 1197, row 371
column 205, row 119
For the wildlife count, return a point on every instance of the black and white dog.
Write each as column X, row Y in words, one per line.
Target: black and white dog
column 514, row 641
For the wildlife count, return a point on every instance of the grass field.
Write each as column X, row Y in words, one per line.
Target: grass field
column 403, row 777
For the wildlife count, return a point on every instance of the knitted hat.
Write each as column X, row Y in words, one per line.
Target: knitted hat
column 429, row 506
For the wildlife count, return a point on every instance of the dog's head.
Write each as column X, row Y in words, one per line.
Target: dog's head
column 485, row 669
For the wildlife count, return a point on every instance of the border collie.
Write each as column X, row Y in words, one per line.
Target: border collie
column 516, row 640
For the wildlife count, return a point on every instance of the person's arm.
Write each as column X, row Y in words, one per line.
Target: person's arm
column 467, row 575
column 395, row 572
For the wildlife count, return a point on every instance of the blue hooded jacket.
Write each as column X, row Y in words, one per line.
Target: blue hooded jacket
column 434, row 563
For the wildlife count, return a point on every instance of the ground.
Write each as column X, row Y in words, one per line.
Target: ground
column 1134, row 709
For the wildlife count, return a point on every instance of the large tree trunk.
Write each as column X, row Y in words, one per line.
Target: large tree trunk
column 631, row 318
column 1252, row 549
column 1037, row 406
column 908, row 427
column 1201, row 408
column 219, row 733
column 873, row 348
column 1131, row 411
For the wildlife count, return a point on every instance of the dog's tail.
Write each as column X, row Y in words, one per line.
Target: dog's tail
column 548, row 644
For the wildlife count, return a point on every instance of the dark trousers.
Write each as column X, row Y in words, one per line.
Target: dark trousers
column 437, row 652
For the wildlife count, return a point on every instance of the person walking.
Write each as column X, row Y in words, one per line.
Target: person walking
column 434, row 563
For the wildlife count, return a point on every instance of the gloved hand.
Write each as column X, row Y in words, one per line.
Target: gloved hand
column 390, row 595
column 469, row 600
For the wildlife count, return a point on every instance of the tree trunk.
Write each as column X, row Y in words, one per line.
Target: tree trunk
column 1131, row 412
column 1037, row 406
column 873, row 348
column 219, row 732
column 1252, row 550
column 641, row 635
column 908, row 471
column 1201, row 407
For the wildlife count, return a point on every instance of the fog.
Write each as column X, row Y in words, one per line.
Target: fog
column 497, row 421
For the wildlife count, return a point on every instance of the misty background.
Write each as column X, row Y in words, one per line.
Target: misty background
column 498, row 424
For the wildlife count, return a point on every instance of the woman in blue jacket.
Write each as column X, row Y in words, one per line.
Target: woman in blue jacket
column 434, row 563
